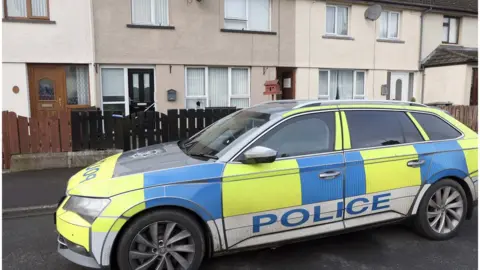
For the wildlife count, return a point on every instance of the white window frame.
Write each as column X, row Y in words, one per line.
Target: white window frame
column 449, row 27
column 230, row 96
column 354, row 94
column 152, row 14
column 389, row 14
column 126, row 102
column 246, row 16
column 336, row 20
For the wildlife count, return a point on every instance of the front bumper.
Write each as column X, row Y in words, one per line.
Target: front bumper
column 75, row 253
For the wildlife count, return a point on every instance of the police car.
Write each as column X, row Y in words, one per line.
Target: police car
column 277, row 172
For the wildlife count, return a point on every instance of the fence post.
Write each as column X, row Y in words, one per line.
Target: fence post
column 5, row 141
column 173, row 124
column 76, row 131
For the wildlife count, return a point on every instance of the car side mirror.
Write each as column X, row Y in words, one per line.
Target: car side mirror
column 259, row 154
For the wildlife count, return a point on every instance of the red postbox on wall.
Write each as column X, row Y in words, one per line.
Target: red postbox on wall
column 272, row 88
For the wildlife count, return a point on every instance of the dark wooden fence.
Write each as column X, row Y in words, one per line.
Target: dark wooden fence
column 22, row 135
column 468, row 115
column 92, row 130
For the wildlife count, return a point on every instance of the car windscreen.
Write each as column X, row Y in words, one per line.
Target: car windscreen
column 223, row 132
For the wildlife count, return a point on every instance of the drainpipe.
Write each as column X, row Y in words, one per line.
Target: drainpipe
column 420, row 54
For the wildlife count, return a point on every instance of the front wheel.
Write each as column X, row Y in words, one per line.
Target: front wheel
column 442, row 210
column 162, row 240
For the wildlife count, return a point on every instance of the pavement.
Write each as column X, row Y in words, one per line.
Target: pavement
column 29, row 241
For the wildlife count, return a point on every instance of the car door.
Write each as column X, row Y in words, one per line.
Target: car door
column 302, row 188
column 383, row 169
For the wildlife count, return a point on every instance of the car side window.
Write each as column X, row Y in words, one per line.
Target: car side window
column 369, row 128
column 436, row 128
column 301, row 135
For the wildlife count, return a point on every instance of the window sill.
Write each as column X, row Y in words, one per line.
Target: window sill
column 386, row 40
column 337, row 37
column 169, row 27
column 39, row 21
column 248, row 31
column 448, row 43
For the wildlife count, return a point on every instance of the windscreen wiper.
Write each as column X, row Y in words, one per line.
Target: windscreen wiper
column 203, row 156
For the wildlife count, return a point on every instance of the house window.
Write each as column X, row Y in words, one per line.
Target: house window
column 217, row 87
column 247, row 15
column 113, row 90
column 337, row 20
column 77, row 85
column 389, row 24
column 450, row 30
column 31, row 9
column 341, row 84
column 150, row 12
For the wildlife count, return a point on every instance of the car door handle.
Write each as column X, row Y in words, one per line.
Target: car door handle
column 328, row 175
column 415, row 163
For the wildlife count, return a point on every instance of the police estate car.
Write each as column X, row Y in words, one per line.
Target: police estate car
column 275, row 172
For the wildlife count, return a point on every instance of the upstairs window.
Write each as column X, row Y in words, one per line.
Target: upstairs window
column 450, row 30
column 247, row 15
column 150, row 12
column 337, row 20
column 389, row 24
column 30, row 9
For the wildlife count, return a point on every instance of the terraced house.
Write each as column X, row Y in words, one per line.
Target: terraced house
column 160, row 54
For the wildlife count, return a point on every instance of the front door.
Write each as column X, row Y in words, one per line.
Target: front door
column 140, row 89
column 383, row 168
column 299, row 194
column 47, row 90
column 399, row 86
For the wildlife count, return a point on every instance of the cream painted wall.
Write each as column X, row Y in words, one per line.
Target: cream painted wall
column 15, row 74
column 69, row 40
column 433, row 32
column 450, row 83
column 312, row 49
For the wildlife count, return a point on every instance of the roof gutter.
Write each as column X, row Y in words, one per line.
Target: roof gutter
column 420, row 53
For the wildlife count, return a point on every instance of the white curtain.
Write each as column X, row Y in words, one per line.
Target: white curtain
column 333, row 84
column 393, row 25
column 345, row 84
column 323, row 85
column 331, row 20
column 195, row 87
column 384, row 25
column 142, row 11
column 17, row 8
column 39, row 8
column 161, row 12
column 259, row 15
column 77, row 85
column 453, row 30
column 342, row 20
column 113, row 88
column 218, row 87
column 236, row 9
column 360, row 84
column 240, row 88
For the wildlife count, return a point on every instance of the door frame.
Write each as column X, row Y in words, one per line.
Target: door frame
column 392, row 85
column 125, row 84
column 31, row 85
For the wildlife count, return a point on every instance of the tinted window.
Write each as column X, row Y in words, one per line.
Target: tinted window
column 436, row 128
column 380, row 128
column 303, row 135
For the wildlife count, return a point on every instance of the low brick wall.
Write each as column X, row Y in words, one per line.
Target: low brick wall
column 40, row 161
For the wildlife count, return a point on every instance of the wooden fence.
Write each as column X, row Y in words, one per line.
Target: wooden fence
column 22, row 135
column 468, row 115
column 92, row 130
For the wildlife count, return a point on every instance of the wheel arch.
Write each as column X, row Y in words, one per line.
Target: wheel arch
column 187, row 210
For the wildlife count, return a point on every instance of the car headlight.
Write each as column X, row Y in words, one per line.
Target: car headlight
column 87, row 208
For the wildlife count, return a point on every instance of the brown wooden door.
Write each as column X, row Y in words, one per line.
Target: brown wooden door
column 47, row 90
column 474, row 89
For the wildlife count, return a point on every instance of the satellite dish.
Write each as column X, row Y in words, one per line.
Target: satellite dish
column 373, row 12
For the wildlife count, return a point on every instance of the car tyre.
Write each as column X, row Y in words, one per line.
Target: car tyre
column 442, row 210
column 181, row 242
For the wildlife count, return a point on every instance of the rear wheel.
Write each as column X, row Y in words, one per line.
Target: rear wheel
column 162, row 240
column 442, row 210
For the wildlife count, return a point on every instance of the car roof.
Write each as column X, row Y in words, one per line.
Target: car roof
column 289, row 107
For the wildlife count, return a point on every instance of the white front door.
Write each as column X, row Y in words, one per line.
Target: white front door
column 399, row 86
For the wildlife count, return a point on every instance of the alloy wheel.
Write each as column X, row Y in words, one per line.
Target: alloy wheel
column 445, row 210
column 162, row 246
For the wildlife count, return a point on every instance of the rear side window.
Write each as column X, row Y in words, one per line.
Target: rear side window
column 436, row 128
column 380, row 128
column 302, row 135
